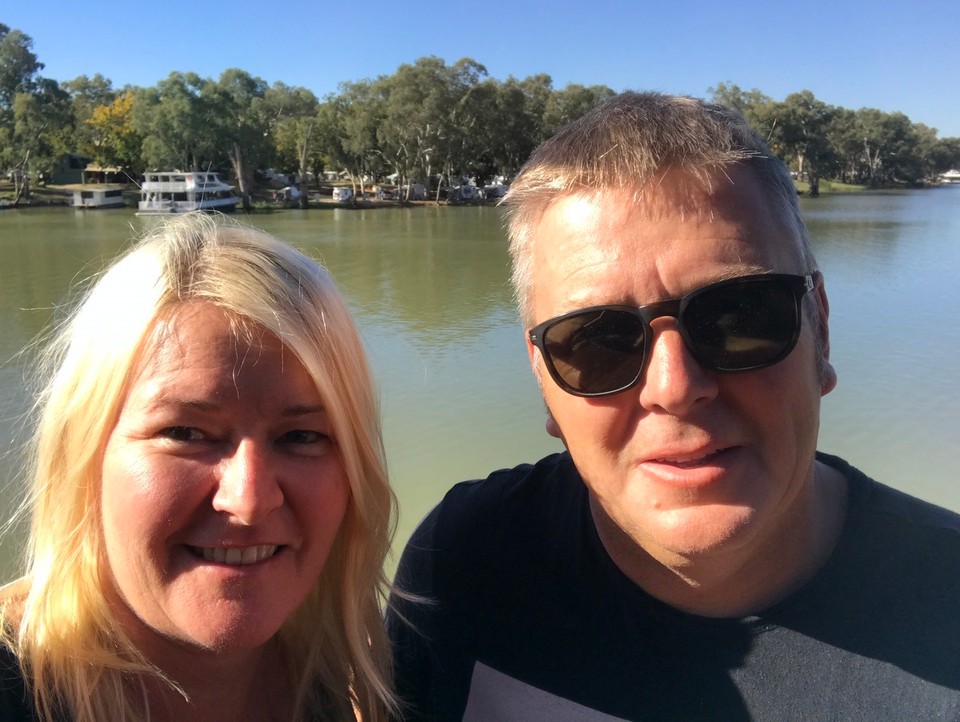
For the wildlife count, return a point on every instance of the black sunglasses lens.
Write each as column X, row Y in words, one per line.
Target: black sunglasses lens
column 596, row 351
column 742, row 326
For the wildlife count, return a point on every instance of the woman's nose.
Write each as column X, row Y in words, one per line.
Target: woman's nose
column 248, row 487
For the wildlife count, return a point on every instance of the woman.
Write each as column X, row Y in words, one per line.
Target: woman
column 210, row 508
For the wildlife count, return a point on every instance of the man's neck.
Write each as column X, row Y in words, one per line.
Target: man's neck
column 744, row 579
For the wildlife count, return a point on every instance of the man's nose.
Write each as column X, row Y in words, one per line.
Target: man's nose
column 248, row 487
column 674, row 381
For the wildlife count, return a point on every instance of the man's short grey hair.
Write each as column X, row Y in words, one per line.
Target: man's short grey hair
column 624, row 143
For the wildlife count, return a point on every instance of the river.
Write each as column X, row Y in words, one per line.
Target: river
column 430, row 291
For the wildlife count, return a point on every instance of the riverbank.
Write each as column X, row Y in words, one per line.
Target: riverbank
column 262, row 199
column 829, row 186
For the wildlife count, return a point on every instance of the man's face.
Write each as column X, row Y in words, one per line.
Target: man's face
column 688, row 462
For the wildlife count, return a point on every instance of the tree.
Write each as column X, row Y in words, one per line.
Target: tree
column 419, row 103
column 359, row 110
column 86, row 94
column 18, row 65
column 462, row 120
column 114, row 138
column 519, row 118
column 572, row 103
column 475, row 133
column 945, row 155
column 799, row 130
column 18, row 69
column 749, row 103
column 174, row 121
column 295, row 120
column 41, row 124
column 235, row 107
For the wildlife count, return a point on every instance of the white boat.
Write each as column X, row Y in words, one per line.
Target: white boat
column 951, row 177
column 179, row 192
column 97, row 196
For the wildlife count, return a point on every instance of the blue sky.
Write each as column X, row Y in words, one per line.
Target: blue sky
column 895, row 55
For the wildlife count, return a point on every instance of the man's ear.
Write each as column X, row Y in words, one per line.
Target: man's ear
column 536, row 363
column 552, row 427
column 533, row 353
column 828, row 374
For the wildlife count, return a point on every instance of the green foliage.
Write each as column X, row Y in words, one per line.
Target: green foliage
column 865, row 147
column 428, row 122
column 18, row 65
column 114, row 141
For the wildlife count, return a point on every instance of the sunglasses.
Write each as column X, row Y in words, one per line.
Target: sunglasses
column 740, row 324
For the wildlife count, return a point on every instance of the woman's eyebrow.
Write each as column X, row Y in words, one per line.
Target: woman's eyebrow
column 304, row 410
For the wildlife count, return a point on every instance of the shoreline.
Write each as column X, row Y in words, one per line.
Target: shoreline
column 262, row 202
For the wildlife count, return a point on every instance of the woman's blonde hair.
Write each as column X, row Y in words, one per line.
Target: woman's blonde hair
column 75, row 656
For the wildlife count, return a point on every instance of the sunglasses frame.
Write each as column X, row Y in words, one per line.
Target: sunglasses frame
column 799, row 285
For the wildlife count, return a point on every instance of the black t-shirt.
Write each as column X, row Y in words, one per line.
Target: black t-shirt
column 15, row 703
column 527, row 617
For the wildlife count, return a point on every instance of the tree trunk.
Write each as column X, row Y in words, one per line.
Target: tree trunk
column 236, row 160
column 303, row 150
column 814, row 177
column 302, row 200
column 21, row 182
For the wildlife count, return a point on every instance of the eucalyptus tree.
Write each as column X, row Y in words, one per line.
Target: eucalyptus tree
column 42, row 126
column 359, row 109
column 519, row 118
column 573, row 102
column 174, row 121
column 749, row 103
column 236, row 109
column 846, row 137
column 880, row 148
column 798, row 130
column 945, row 154
column 18, row 76
column 295, row 121
column 926, row 155
column 417, row 113
column 464, row 120
column 893, row 142
column 18, row 65
column 472, row 147
column 86, row 95
column 114, row 137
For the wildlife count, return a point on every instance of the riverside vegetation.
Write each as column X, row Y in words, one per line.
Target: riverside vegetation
column 428, row 122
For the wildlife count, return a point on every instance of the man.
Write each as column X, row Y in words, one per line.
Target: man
column 691, row 555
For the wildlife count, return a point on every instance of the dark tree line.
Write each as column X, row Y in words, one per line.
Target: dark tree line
column 428, row 122
column 865, row 147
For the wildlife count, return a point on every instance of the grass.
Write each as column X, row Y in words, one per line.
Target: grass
column 829, row 186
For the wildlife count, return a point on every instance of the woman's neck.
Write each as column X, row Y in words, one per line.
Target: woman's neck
column 252, row 684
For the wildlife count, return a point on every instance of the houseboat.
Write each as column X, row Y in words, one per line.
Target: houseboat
column 951, row 177
column 97, row 196
column 179, row 192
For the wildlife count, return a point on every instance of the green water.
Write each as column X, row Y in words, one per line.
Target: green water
column 429, row 288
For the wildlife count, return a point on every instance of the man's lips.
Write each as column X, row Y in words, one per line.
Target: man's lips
column 691, row 459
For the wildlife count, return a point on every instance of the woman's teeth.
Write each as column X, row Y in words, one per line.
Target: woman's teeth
column 237, row 556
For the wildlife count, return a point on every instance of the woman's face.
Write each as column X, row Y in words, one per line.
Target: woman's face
column 222, row 490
